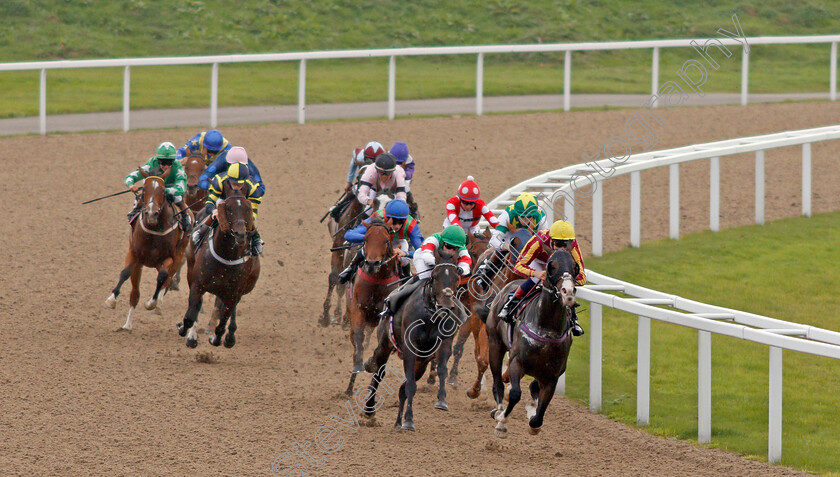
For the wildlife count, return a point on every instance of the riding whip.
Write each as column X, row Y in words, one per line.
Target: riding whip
column 330, row 209
column 105, row 197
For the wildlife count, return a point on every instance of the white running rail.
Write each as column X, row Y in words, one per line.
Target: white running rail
column 393, row 53
column 554, row 186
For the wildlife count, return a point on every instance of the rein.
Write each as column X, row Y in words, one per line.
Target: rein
column 224, row 261
column 143, row 210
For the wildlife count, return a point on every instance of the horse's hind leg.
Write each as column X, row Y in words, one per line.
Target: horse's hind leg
column 225, row 310
column 432, row 372
column 230, row 338
column 162, row 279
column 458, row 349
column 481, row 360
column 111, row 301
column 215, row 315
column 546, row 393
column 531, row 406
column 413, row 371
column 513, row 398
column 134, row 297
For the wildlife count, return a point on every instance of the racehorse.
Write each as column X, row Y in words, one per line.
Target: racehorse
column 223, row 266
column 421, row 329
column 476, row 245
column 349, row 218
column 373, row 282
column 479, row 302
column 155, row 241
column 540, row 344
column 195, row 196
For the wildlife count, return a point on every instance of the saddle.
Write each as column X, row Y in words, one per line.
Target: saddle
column 535, row 291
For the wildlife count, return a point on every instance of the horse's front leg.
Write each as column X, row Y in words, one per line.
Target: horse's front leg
column 187, row 327
column 496, row 355
column 111, row 301
column 162, row 280
column 225, row 310
column 134, row 297
column 357, row 336
column 515, row 370
column 444, row 352
column 409, row 366
column 546, row 394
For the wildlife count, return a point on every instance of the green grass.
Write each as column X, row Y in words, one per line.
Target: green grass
column 785, row 270
column 46, row 30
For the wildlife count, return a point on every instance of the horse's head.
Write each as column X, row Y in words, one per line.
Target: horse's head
column 194, row 166
column 236, row 217
column 560, row 276
column 378, row 247
column 444, row 279
column 153, row 196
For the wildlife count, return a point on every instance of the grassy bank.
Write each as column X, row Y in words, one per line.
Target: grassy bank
column 47, row 30
column 785, row 270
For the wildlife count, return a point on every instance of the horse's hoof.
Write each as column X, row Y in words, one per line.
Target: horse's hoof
column 431, row 379
column 500, row 433
column 150, row 305
column 369, row 366
column 408, row 426
column 534, row 430
column 453, row 381
column 215, row 341
column 357, row 368
column 442, row 405
column 192, row 342
column 324, row 321
column 158, row 311
column 493, row 413
column 123, row 328
column 230, row 340
column 110, row 302
column 182, row 330
column 472, row 393
column 174, row 287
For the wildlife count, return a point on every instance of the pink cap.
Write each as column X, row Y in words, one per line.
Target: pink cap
column 237, row 154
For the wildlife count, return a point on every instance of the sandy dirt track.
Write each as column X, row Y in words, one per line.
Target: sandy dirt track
column 79, row 398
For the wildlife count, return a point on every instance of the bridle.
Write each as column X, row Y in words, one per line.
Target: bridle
column 146, row 205
column 428, row 291
column 375, row 266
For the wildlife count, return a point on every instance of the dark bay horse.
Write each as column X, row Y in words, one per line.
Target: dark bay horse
column 155, row 241
column 541, row 343
column 223, row 266
column 347, row 220
column 195, row 196
column 374, row 280
column 422, row 329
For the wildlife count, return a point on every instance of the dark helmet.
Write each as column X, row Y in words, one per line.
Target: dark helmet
column 386, row 162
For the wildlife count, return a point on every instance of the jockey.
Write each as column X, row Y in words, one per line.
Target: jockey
column 208, row 144
column 532, row 261
column 238, row 178
column 385, row 177
column 404, row 160
column 466, row 208
column 452, row 240
column 175, row 182
column 361, row 157
column 403, row 229
column 224, row 160
column 525, row 212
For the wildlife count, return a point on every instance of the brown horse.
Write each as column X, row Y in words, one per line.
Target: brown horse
column 223, row 266
column 540, row 345
column 479, row 303
column 372, row 284
column 195, row 196
column 155, row 241
column 348, row 219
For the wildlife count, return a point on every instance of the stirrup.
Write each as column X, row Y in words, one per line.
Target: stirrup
column 576, row 329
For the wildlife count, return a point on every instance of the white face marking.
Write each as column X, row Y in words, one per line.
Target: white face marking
column 567, row 291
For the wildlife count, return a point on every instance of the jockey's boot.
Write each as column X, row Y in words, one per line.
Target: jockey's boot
column 395, row 299
column 576, row 328
column 134, row 210
column 256, row 243
column 507, row 310
column 412, row 205
column 348, row 273
column 405, row 270
column 199, row 233
column 337, row 209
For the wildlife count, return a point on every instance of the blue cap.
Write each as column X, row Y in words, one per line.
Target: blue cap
column 396, row 209
column 400, row 151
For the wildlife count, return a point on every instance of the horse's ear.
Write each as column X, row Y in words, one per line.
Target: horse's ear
column 551, row 268
column 222, row 217
column 487, row 233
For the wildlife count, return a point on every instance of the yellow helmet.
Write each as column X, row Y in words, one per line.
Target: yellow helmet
column 561, row 230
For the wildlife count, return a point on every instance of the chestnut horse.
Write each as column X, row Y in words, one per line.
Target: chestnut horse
column 421, row 330
column 479, row 303
column 373, row 282
column 155, row 241
column 223, row 266
column 541, row 343
column 195, row 197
